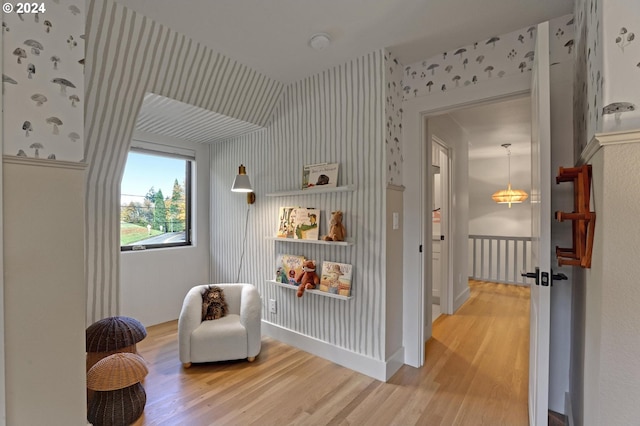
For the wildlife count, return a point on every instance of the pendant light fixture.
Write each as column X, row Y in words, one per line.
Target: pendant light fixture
column 509, row 196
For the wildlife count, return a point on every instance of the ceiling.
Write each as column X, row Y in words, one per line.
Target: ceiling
column 490, row 125
column 271, row 36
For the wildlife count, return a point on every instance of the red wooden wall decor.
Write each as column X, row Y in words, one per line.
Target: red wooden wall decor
column 582, row 219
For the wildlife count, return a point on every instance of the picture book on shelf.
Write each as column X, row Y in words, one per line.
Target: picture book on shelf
column 292, row 266
column 300, row 223
column 336, row 278
column 321, row 175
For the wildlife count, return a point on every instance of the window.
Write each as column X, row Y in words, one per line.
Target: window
column 155, row 200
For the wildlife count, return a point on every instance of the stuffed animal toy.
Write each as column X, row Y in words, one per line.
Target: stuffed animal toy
column 213, row 304
column 337, row 231
column 308, row 278
column 323, row 180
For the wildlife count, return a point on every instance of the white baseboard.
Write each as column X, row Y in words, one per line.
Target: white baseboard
column 461, row 298
column 379, row 370
column 568, row 408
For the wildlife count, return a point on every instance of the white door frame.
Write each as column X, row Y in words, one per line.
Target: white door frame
column 417, row 158
column 540, row 231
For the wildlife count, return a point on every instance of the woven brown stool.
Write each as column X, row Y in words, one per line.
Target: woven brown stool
column 119, row 398
column 112, row 335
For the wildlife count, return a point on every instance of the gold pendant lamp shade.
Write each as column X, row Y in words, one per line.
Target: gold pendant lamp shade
column 509, row 196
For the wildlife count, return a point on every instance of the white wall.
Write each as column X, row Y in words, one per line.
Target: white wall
column 488, row 175
column 393, row 302
column 606, row 73
column 44, row 292
column 611, row 362
column 154, row 282
column 3, row 411
column 334, row 116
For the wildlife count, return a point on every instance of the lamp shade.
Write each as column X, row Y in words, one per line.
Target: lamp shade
column 509, row 196
column 241, row 183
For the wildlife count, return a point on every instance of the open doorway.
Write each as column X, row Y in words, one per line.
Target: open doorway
column 423, row 117
column 499, row 234
column 417, row 119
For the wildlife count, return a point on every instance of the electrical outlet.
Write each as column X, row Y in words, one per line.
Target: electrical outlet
column 272, row 306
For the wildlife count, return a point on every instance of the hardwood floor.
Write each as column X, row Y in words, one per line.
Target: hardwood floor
column 475, row 374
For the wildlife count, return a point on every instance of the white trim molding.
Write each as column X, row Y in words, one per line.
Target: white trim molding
column 378, row 369
column 41, row 162
column 600, row 140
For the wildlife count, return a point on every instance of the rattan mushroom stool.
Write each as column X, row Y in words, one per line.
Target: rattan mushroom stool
column 119, row 398
column 112, row 335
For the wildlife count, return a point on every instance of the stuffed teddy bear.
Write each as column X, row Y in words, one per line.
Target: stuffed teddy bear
column 337, row 231
column 214, row 306
column 307, row 278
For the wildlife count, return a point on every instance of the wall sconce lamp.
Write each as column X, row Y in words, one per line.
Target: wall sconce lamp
column 242, row 184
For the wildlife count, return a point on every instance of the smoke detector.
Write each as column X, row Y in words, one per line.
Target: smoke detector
column 320, row 41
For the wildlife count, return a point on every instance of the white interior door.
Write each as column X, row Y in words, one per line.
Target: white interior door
column 541, row 232
column 442, row 229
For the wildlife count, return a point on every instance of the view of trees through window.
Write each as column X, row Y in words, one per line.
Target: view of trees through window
column 158, row 215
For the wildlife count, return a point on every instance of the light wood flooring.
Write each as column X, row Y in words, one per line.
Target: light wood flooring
column 475, row 374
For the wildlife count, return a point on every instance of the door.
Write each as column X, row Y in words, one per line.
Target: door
column 541, row 232
column 440, row 227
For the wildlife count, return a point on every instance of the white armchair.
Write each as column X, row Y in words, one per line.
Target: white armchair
column 237, row 335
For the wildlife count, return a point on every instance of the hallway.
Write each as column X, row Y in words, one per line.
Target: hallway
column 479, row 358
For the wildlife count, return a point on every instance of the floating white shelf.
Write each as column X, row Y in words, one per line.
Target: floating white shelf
column 347, row 188
column 321, row 242
column 318, row 292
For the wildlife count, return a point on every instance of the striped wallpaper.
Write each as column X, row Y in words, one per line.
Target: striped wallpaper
column 167, row 117
column 128, row 55
column 334, row 116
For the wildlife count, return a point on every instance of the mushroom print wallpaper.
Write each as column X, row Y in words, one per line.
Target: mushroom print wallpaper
column 393, row 118
column 607, row 97
column 620, row 65
column 589, row 81
column 43, row 81
column 495, row 57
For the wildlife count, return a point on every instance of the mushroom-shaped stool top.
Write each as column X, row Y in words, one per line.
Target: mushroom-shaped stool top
column 114, row 333
column 117, row 371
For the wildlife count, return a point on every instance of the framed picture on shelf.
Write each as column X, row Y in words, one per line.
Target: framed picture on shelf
column 336, row 278
column 301, row 223
column 321, row 175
